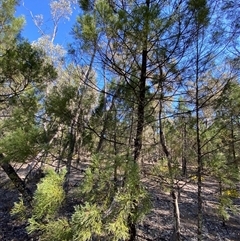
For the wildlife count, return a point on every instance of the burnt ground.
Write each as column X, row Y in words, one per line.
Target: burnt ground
column 158, row 223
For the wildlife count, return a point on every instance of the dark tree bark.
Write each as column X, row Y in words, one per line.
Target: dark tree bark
column 72, row 142
column 199, row 149
column 106, row 120
column 232, row 144
column 140, row 115
column 17, row 181
column 184, row 147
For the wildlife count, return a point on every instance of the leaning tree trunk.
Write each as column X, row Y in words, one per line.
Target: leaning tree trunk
column 174, row 192
column 17, row 181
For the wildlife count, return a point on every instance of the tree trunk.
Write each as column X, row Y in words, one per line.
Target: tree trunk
column 132, row 230
column 174, row 192
column 115, row 151
column 140, row 114
column 17, row 181
column 106, row 119
column 220, row 194
column 176, row 213
column 184, row 146
column 72, row 141
column 199, row 149
column 232, row 144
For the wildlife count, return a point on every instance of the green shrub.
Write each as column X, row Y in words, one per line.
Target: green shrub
column 107, row 204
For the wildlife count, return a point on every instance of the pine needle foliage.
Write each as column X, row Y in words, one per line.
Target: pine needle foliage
column 226, row 207
column 49, row 195
column 21, row 135
column 227, row 176
column 86, row 222
column 56, row 230
column 108, row 203
column 46, row 202
column 111, row 201
column 19, row 210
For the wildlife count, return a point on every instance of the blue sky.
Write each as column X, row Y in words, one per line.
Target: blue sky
column 30, row 31
column 37, row 7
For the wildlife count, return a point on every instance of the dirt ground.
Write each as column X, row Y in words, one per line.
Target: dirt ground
column 158, row 223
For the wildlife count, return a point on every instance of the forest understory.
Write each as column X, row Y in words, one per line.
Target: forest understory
column 156, row 226
column 137, row 100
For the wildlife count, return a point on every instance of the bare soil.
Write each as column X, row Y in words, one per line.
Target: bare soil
column 158, row 223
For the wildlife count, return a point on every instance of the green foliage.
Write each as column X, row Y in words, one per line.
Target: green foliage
column 115, row 203
column 227, row 175
column 21, row 134
column 106, row 209
column 9, row 25
column 22, row 80
column 86, row 5
column 217, row 164
column 104, row 10
column 47, row 200
column 56, row 230
column 232, row 193
column 58, row 103
column 119, row 229
column 161, row 169
column 49, row 195
column 111, row 191
column 226, row 205
column 86, row 29
column 86, row 222
column 98, row 184
column 22, row 64
column 19, row 145
column 201, row 11
column 19, row 209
